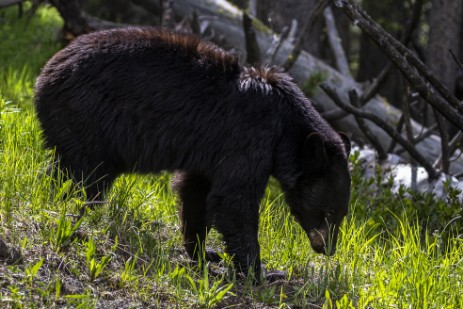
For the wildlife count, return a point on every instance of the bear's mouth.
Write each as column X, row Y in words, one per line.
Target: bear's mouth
column 322, row 240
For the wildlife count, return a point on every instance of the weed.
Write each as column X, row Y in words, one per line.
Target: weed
column 65, row 232
column 94, row 267
column 128, row 277
column 208, row 293
column 32, row 270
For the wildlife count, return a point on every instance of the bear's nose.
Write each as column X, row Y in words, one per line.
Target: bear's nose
column 320, row 242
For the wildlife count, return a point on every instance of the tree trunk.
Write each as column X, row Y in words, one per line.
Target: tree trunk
column 444, row 34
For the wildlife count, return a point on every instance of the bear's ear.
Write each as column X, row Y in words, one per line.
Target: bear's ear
column 346, row 141
column 314, row 150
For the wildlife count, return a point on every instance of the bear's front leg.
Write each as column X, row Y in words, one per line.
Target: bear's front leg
column 193, row 190
column 236, row 217
column 237, row 187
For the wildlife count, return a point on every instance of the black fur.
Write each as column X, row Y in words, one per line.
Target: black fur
column 144, row 100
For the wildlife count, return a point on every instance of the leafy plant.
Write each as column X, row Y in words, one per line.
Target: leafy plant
column 128, row 276
column 32, row 271
column 94, row 267
column 208, row 293
column 65, row 231
column 16, row 299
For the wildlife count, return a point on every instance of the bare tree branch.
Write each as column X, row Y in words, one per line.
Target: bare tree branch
column 400, row 56
column 308, row 25
column 433, row 174
column 405, row 53
column 279, row 42
column 354, row 100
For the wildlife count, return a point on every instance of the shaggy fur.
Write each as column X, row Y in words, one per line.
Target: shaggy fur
column 144, row 100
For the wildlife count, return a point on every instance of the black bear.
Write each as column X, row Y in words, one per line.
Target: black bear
column 145, row 100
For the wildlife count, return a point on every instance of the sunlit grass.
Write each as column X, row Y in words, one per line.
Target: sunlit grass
column 129, row 252
column 25, row 46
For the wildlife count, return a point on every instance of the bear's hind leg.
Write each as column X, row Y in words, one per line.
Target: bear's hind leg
column 193, row 190
column 96, row 183
column 95, row 178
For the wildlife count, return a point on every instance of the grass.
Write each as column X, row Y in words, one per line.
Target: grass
column 395, row 251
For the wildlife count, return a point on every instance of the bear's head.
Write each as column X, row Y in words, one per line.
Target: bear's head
column 319, row 199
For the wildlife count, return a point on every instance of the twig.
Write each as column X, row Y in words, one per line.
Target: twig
column 433, row 174
column 308, row 25
column 354, row 100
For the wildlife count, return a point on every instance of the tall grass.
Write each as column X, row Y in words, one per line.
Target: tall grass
column 25, row 47
column 395, row 251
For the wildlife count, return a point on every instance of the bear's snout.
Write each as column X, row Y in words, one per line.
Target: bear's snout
column 322, row 240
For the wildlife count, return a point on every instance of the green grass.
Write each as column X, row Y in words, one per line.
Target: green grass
column 395, row 251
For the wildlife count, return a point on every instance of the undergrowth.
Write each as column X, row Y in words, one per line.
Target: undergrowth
column 395, row 251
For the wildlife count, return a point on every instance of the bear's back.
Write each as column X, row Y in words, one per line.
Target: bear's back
column 148, row 45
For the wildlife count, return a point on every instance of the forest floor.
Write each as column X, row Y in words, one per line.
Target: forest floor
column 396, row 250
